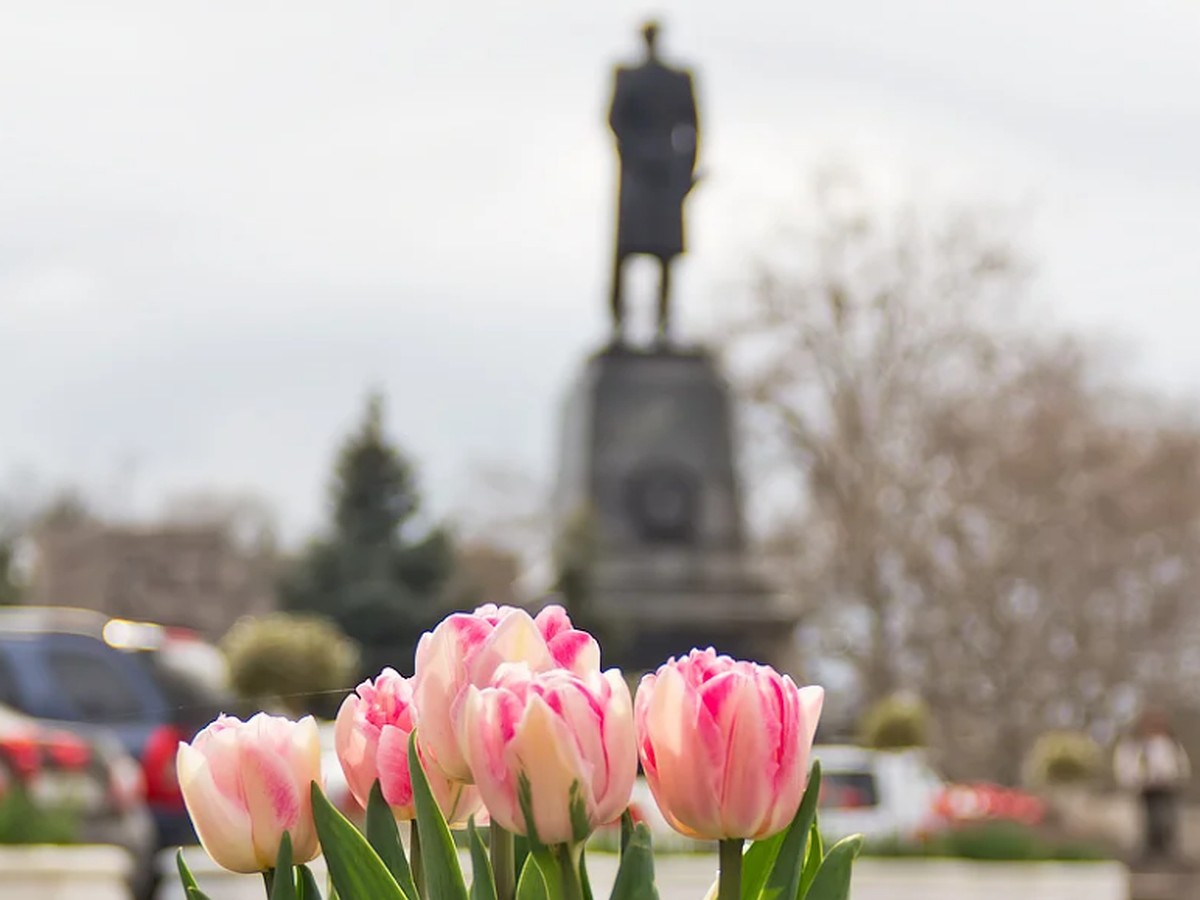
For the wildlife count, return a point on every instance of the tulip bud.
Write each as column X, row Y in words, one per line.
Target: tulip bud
column 553, row 753
column 246, row 783
column 467, row 648
column 371, row 738
column 725, row 744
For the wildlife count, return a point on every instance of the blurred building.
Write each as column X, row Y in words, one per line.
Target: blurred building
column 192, row 576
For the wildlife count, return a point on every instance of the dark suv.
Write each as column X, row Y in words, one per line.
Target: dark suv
column 150, row 686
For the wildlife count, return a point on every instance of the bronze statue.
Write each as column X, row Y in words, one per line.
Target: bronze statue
column 653, row 116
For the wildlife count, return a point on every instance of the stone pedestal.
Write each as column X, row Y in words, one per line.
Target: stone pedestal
column 647, row 463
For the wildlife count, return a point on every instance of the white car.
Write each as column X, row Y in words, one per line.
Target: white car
column 879, row 794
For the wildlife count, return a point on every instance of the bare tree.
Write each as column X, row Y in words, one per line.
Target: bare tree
column 976, row 516
column 858, row 323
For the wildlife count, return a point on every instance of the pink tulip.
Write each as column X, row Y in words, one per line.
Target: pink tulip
column 725, row 744
column 371, row 737
column 466, row 649
column 246, row 783
column 571, row 737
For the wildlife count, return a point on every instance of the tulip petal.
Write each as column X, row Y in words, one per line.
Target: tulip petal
column 441, row 673
column 305, row 757
column 515, row 639
column 620, row 750
column 483, row 746
column 544, row 751
column 220, row 745
column 583, row 714
column 391, row 759
column 791, row 773
column 750, row 761
column 222, row 826
column 552, row 621
column 356, row 747
column 689, row 755
column 812, row 699
column 272, row 796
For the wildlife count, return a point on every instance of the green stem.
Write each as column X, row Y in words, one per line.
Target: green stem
column 269, row 880
column 416, row 863
column 504, row 862
column 729, row 887
column 568, row 859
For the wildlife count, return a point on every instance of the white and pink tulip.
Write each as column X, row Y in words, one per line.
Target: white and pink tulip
column 725, row 744
column 466, row 650
column 371, row 738
column 568, row 737
column 246, row 783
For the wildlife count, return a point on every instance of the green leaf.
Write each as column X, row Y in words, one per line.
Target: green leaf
column 525, row 800
column 784, row 881
column 439, row 859
column 384, row 838
column 548, row 864
column 583, row 875
column 581, row 827
column 757, row 863
column 283, row 881
column 483, row 883
column 531, row 885
column 520, row 852
column 569, row 857
column 307, row 887
column 355, row 869
column 542, row 855
column 626, row 828
column 635, row 874
column 812, row 860
column 833, row 878
column 190, row 888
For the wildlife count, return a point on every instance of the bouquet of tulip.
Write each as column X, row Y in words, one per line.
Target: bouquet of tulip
column 510, row 717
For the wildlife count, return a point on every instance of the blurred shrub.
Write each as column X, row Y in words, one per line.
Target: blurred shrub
column 896, row 723
column 1063, row 757
column 24, row 822
column 997, row 841
column 303, row 662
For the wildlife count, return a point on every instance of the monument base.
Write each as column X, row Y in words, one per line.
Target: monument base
column 647, row 462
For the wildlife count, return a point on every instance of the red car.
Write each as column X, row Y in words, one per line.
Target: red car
column 85, row 788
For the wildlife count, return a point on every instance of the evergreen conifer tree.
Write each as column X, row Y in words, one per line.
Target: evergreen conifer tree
column 375, row 574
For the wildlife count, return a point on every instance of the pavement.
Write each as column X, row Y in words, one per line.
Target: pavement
column 1164, row 882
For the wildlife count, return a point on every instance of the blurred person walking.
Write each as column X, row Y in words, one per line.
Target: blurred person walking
column 1153, row 763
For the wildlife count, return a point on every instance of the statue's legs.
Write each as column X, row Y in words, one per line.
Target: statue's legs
column 664, row 299
column 617, row 299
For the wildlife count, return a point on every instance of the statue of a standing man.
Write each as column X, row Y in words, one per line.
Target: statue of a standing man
column 653, row 116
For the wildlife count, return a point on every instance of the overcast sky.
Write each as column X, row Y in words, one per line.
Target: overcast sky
column 221, row 222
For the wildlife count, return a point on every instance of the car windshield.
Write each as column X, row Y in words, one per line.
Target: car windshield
column 848, row 790
column 195, row 684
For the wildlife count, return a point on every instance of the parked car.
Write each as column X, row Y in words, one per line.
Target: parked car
column 150, row 686
column 880, row 794
column 88, row 785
